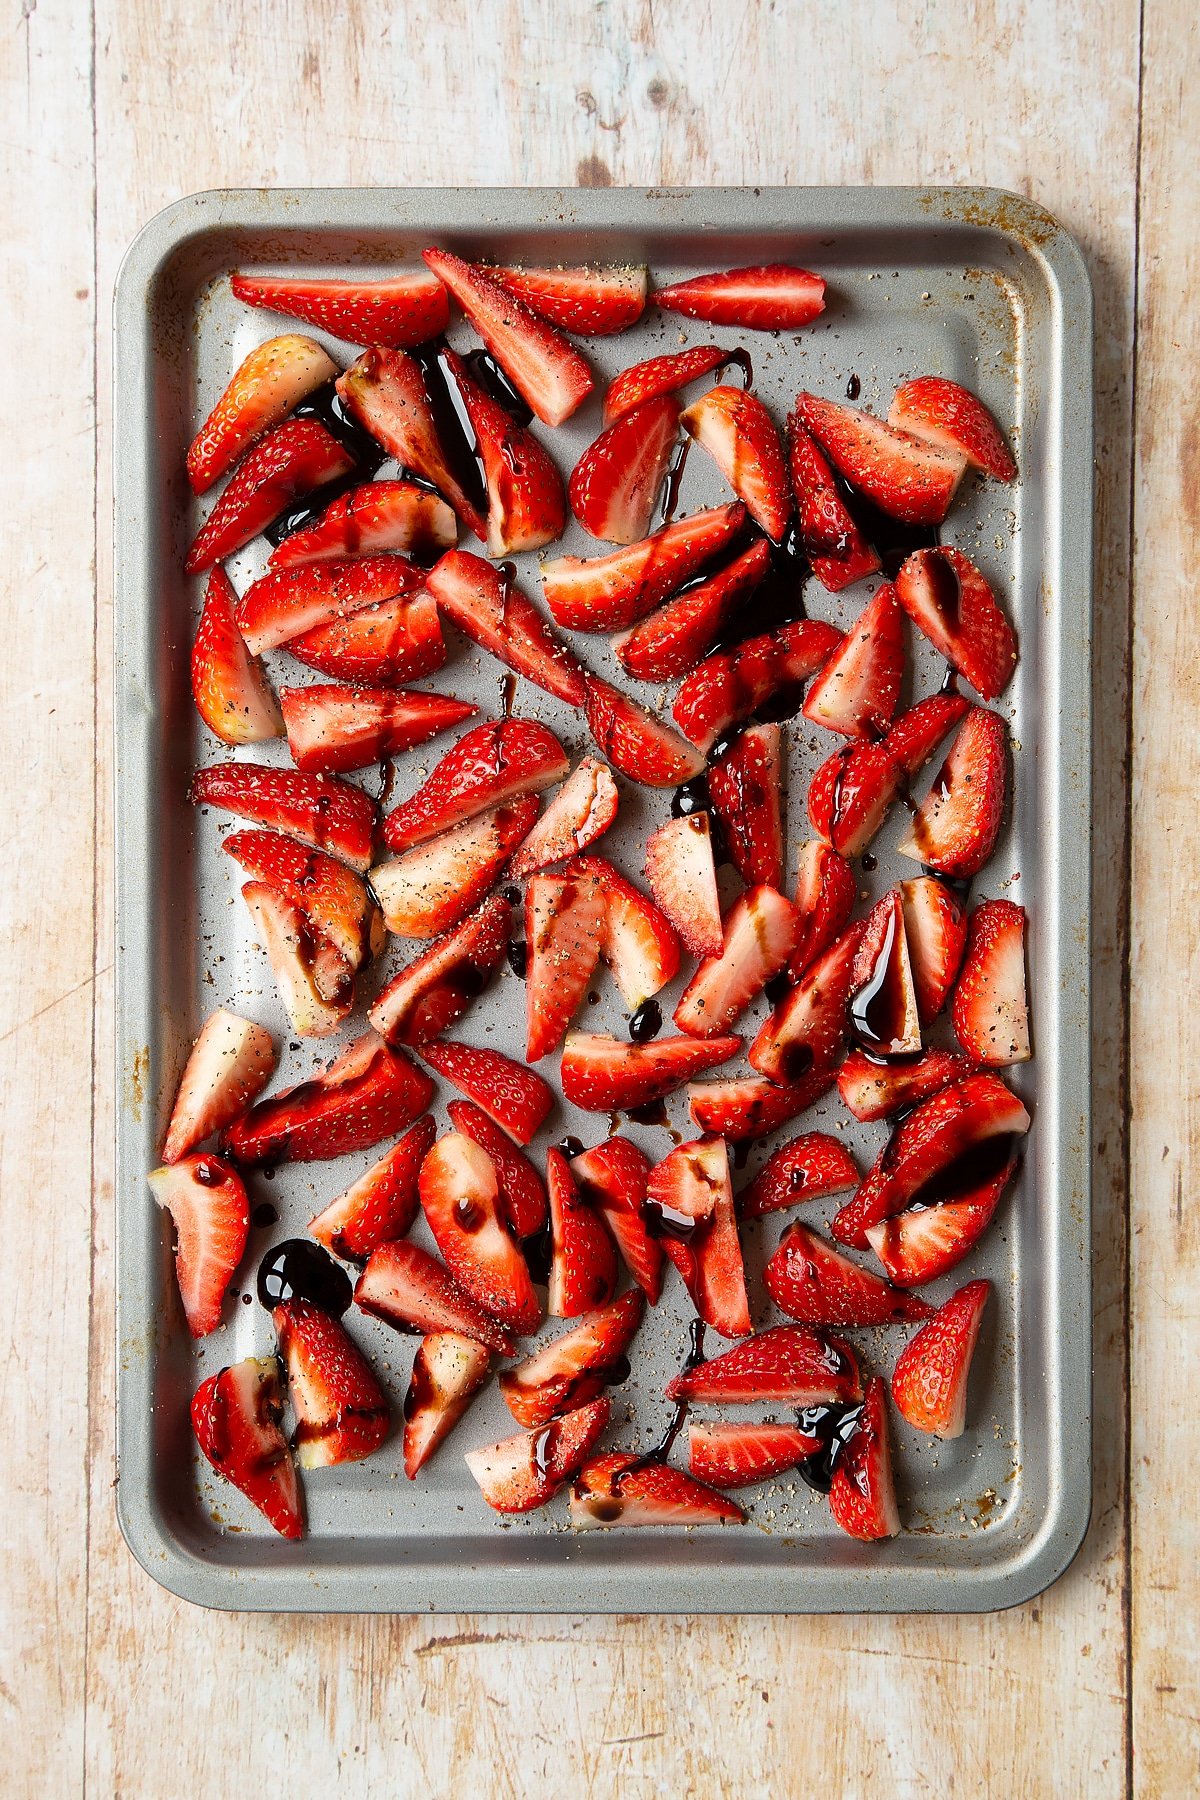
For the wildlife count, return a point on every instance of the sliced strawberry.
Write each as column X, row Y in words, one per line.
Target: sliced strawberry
column 522, row 1190
column 515, row 1098
column 612, row 1178
column 935, row 925
column 342, row 1413
column 792, row 1363
column 429, row 995
column 615, row 483
column 382, row 1204
column 448, row 1371
column 368, row 1093
column 731, row 684
column 405, row 309
column 526, row 504
column 751, row 1106
column 809, row 1167
column 607, row 593
column 947, row 598
column 548, row 373
column 858, row 689
column 211, row 1214
column 991, row 1014
column 315, row 982
column 744, row 1454
column 640, row 746
column 825, row 894
column 660, row 375
column 903, row 476
column 882, row 1000
column 288, row 463
column 460, row 1198
column 524, row 1471
column 494, row 613
column 683, row 880
column 601, row 1074
column 811, row 1281
column 929, row 1384
column 331, row 815
column 806, row 1032
column 745, row 785
column 863, row 1496
column 274, row 378
column 955, row 828
column 369, row 520
column 760, row 934
column 574, row 1368
column 917, row 733
column 386, row 392
column 639, row 943
column 850, row 794
column 582, row 811
column 620, row 1489
column 564, row 929
column 384, row 645
column 589, row 302
column 430, row 888
column 332, row 729
column 836, row 549
column 230, row 1063
column 768, row 297
column 491, row 764
column 334, row 897
column 583, row 1267
column 231, row 691
column 288, row 602
column 689, row 1201
column 410, row 1290
column 673, row 638
column 920, row 1245
column 941, row 412
column 875, row 1090
column 739, row 434
column 237, row 1418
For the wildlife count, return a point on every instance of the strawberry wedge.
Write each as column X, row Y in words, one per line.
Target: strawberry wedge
column 400, row 311
column 229, row 686
column 432, row 887
column 768, row 297
column 731, row 684
column 589, row 302
column 385, row 391
column 287, row 602
column 903, row 476
column 332, row 728
column 286, row 464
column 368, row 1093
column 490, row 765
column 369, row 520
column 607, row 593
column 274, row 378
column 493, row 612
column 332, row 815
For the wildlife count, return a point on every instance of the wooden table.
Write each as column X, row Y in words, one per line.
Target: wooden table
column 107, row 1684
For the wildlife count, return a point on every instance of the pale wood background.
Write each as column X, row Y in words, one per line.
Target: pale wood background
column 107, row 112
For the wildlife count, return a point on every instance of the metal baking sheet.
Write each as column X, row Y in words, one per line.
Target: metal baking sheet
column 975, row 284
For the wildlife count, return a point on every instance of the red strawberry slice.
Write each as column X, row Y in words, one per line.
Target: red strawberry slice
column 514, row 1098
column 941, row 412
column 673, row 638
column 385, row 391
column 836, row 549
column 811, row 1281
column 601, row 1074
column 825, row 894
column 230, row 689
column 574, row 1368
column 460, row 1198
column 743, row 1455
column 683, row 879
column 448, row 1371
column 526, row 504
column 491, row 764
column 332, row 729
column 634, row 742
column 368, row 1093
column 382, row 1204
column 589, row 302
column 342, row 1413
column 230, row 1064
column 745, row 786
column 660, row 375
column 237, row 1417
column 935, row 925
column 991, row 1015
column 956, row 826
column 286, row 464
column 917, row 733
column 739, row 434
column 689, row 1201
column 522, row 1190
column 564, row 928
column 320, row 810
column 410, row 1290
column 731, row 684
column 369, row 520
column 947, row 598
column 432, row 887
column 768, row 297
column 929, row 1383
column 903, row 476
column 760, row 934
column 429, row 995
column 858, row 689
column 615, row 483
column 211, row 1214
column 583, row 1267
column 273, row 379
column 850, row 794
column 612, row 1178
column 315, row 982
column 809, row 1167
column 582, row 811
column 920, row 1245
column 619, row 1489
column 395, row 641
column 863, row 1496
column 334, row 898
column 805, row 1033
column 607, row 593
column 752, row 1107
column 548, row 373
column 792, row 1363
column 288, row 602
column 639, row 943
column 494, row 613
column 405, row 309
column 875, row 1090
column 524, row 1471
column 883, row 1001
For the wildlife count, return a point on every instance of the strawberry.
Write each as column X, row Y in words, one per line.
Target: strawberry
column 769, row 297
column 333, row 897
column 612, row 1178
column 731, row 684
column 369, row 520
column 368, row 1093
column 760, row 934
column 320, row 810
column 211, row 1214
column 332, row 729
column 745, row 787
column 384, row 645
column 929, row 1383
column 660, row 375
column 811, row 1281
column 237, row 1416
column 548, row 373
column 522, row 1190
column 386, row 392
column 231, row 691
column 288, row 602
column 990, row 1012
column 744, row 1454
column 432, row 887
column 935, row 926
column 600, row 1074
column 849, row 796
column 288, row 463
column 274, row 378
column 619, row 1489
column 639, row 943
column 752, row 1107
column 948, row 599
column 836, row 549
column 941, row 412
column 582, row 811
column 315, row 982
column 515, row 1098
column 405, row 309
column 524, row 1471
column 635, row 743
column 564, row 927
column 672, row 639
column 410, row 1290
column 460, row 1198
column 583, row 1267
column 875, row 1090
column 448, row 1371
column 494, row 613
column 901, row 475
column 862, row 1498
column 809, row 1167
column 230, row 1063
column 491, row 764
column 432, row 993
column 342, row 1413
column 805, row 1033
column 955, row 828
column 589, row 302
column 382, row 1204
column 858, row 689
column 825, row 894
column 736, row 429
column 574, row 1368
column 615, row 483
column 922, row 1243
column 882, row 1000
column 683, row 879
column 526, row 504
column 690, row 1201
column 607, row 593
column 917, row 733
column 792, row 1363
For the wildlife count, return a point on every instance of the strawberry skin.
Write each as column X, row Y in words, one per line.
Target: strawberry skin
column 920, row 1245
column 929, row 1384
column 826, row 890
column 448, row 1370
column 935, row 927
column 526, row 504
column 752, row 1106
column 410, row 1290
column 745, row 786
column 432, row 887
column 289, row 462
column 805, row 1033
column 582, row 811
column 608, row 593
column 320, row 810
column 490, row 765
column 741, row 1455
column 583, row 1267
column 564, row 927
column 285, row 603
column 948, row 599
column 862, row 1498
column 370, row 520
column 334, row 897
column 944, row 413
column 858, row 689
column 731, row 684
column 230, row 1063
column 332, row 729
column 406, row 309
column 836, row 549
column 342, row 1413
column 368, row 1093
column 589, row 302
column 274, row 378
column 615, row 483
column 207, row 1202
column 639, row 942
column 612, row 1491
column 792, row 1363
column 613, row 1178
column 736, row 429
column 574, row 1368
column 429, row 995
column 495, row 614
column 809, row 1167
column 671, row 640
column 811, row 1281
column 660, row 375
column 904, row 477
column 874, row 1090
column 990, row 1011
column 524, row 1471
column 382, row 1204
column 516, row 1099
column 760, row 934
column 954, row 830
column 690, row 1200
column 767, row 297
column 460, row 1198
column 383, row 645
column 522, row 1190
column 683, row 879
column 385, row 392
column 230, row 689
column 635, row 743
column 237, row 1416
column 600, row 1074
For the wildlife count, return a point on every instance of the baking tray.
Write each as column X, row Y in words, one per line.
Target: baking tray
column 975, row 284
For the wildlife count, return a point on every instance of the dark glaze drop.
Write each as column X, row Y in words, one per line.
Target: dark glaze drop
column 646, row 1022
column 834, row 1425
column 518, row 957
column 658, row 1453
column 740, row 360
column 210, row 1173
column 511, row 894
column 538, row 1251
column 452, row 422
column 469, row 1215
column 387, row 781
column 653, row 1113
column 980, row 1163
column 508, row 688
column 300, row 1270
column 264, row 1214
column 853, row 388
column 959, row 885
column 494, row 381
column 740, row 1149
column 949, row 681
column 570, row 1147
column 945, row 589
column 692, row 797
column 777, row 600
column 778, row 988
column 797, row 1061
column 877, row 1007
column 669, row 492
column 663, row 1221
column 869, row 862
